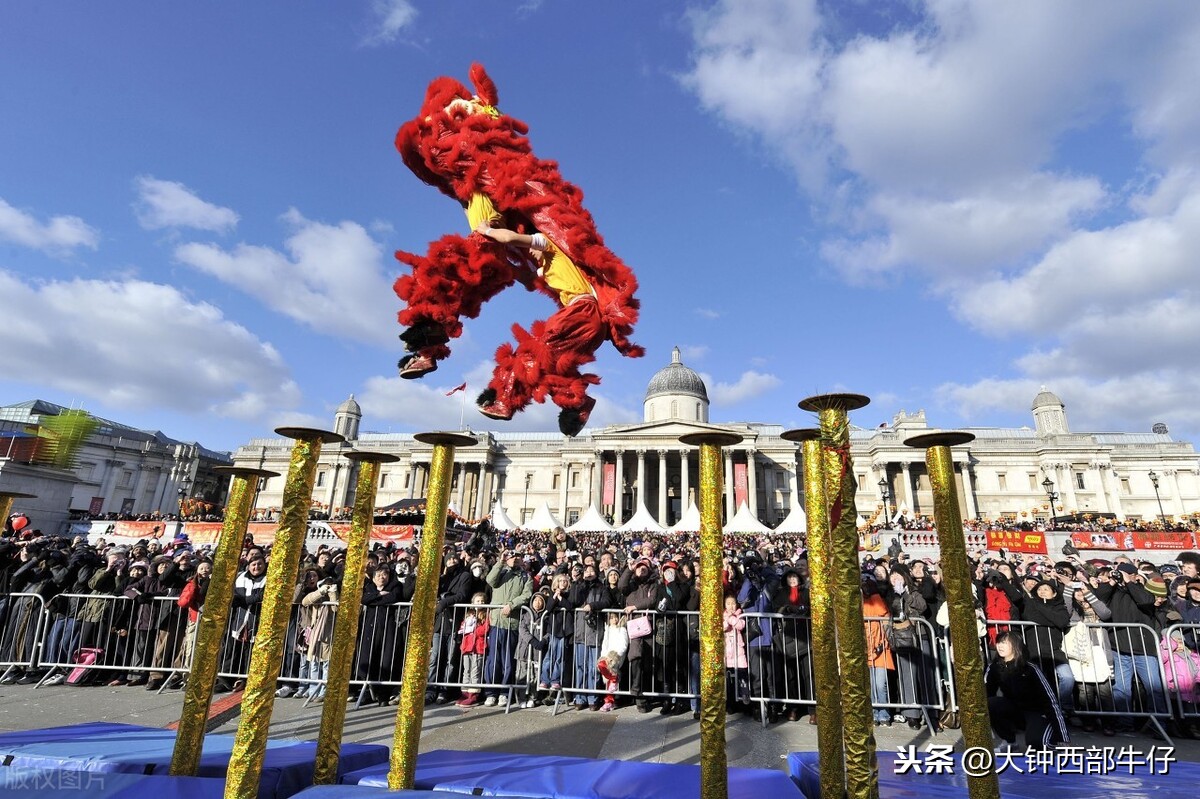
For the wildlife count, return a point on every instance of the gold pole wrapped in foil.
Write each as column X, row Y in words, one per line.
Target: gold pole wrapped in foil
column 832, row 761
column 862, row 768
column 956, row 578
column 411, row 713
column 345, row 628
column 266, row 657
column 210, row 628
column 6, row 503
column 714, row 771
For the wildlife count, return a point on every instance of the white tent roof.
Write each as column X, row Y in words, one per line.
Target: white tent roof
column 744, row 522
column 689, row 522
column 543, row 519
column 500, row 519
column 796, row 522
column 590, row 522
column 642, row 521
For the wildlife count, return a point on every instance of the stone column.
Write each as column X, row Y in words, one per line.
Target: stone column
column 908, row 491
column 969, row 490
column 640, row 500
column 729, row 508
column 331, row 496
column 1068, row 478
column 1178, row 495
column 592, row 470
column 1114, row 495
column 619, row 489
column 662, row 487
column 562, row 496
column 139, row 488
column 685, row 487
column 160, row 490
column 769, row 493
column 752, row 481
column 1098, row 468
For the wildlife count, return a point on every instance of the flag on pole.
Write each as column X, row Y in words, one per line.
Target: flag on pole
column 456, row 389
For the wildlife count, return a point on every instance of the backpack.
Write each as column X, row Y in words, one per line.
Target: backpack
column 84, row 657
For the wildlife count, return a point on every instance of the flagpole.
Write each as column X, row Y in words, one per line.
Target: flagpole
column 462, row 411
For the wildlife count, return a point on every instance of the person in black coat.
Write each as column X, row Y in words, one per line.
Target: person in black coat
column 670, row 637
column 454, row 588
column 1051, row 619
column 376, row 657
column 1020, row 699
column 1133, row 640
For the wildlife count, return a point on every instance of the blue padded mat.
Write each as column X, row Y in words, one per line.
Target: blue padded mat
column 58, row 784
column 359, row 792
column 506, row 775
column 105, row 747
column 1181, row 781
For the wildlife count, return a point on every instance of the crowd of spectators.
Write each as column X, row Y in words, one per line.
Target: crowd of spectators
column 555, row 612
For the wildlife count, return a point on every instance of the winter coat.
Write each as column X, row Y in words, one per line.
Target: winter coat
column 104, row 585
column 192, row 599
column 316, row 620
column 474, row 640
column 792, row 635
column 531, row 636
column 246, row 606
column 588, row 626
column 1025, row 686
column 510, row 587
column 670, row 599
column 879, row 653
column 732, row 624
column 643, row 596
column 560, row 616
column 1182, row 667
column 454, row 588
column 1050, row 618
column 1130, row 603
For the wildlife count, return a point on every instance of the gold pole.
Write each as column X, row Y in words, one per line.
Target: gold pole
column 210, row 628
column 832, row 761
column 266, row 658
column 956, row 577
column 6, row 503
column 714, row 771
column 345, row 629
column 410, row 714
column 862, row 769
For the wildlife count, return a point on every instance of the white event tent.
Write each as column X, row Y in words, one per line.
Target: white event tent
column 689, row 522
column 590, row 522
column 543, row 519
column 500, row 519
column 796, row 522
column 744, row 522
column 642, row 521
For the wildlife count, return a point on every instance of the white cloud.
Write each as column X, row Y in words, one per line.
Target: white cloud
column 751, row 384
column 690, row 353
column 707, row 313
column 333, row 278
column 168, row 204
column 133, row 344
column 390, row 17
column 58, row 236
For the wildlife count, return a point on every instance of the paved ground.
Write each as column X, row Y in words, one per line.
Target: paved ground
column 624, row 734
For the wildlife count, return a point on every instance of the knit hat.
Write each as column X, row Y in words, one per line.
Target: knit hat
column 140, row 564
column 1155, row 585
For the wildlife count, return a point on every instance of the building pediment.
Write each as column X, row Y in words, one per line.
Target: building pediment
column 667, row 429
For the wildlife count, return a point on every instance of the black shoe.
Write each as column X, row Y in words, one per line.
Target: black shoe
column 914, row 724
column 423, row 334
column 667, row 709
column 154, row 685
column 642, row 707
column 174, row 681
column 695, row 715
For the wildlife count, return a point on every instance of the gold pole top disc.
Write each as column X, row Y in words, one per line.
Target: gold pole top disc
column 802, row 434
column 363, row 456
column 844, row 402
column 238, row 471
column 446, row 438
column 714, row 437
column 324, row 436
column 946, row 438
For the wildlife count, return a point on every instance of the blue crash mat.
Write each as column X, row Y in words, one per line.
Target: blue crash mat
column 105, row 747
column 359, row 792
column 1180, row 780
column 59, row 784
column 506, row 775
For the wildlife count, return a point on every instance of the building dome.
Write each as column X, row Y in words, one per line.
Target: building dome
column 350, row 407
column 1046, row 399
column 678, row 380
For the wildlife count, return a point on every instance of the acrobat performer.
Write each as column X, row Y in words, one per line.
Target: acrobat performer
column 529, row 225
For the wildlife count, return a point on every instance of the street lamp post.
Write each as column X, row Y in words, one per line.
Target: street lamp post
column 1052, row 495
column 525, row 502
column 1162, row 517
column 883, row 490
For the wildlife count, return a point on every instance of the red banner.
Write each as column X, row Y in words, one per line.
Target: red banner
column 1122, row 542
column 397, row 533
column 1164, row 540
column 1029, row 543
column 740, row 492
column 96, row 506
column 610, row 484
column 138, row 529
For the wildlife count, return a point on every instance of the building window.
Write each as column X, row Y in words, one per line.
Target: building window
column 1002, row 481
column 1079, row 481
column 651, row 414
column 1033, row 483
column 320, row 479
column 572, row 516
column 575, row 479
column 1125, row 486
column 126, row 479
column 674, row 409
column 923, row 482
column 862, row 482
column 698, row 408
column 554, row 481
column 383, row 479
column 407, row 478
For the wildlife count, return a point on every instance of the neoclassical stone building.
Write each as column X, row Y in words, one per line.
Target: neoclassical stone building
column 621, row 468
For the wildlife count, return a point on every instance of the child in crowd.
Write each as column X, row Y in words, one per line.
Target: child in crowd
column 474, row 632
column 614, row 645
column 736, row 665
column 531, row 640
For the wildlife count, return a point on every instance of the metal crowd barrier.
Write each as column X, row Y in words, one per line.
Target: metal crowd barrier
column 1124, row 677
column 22, row 617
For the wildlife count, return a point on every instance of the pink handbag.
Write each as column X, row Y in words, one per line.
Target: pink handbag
column 639, row 627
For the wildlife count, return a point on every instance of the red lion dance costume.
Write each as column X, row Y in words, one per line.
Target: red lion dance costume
column 529, row 224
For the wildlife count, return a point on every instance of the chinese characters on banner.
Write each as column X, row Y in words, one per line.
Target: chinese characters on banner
column 1164, row 540
column 1027, row 542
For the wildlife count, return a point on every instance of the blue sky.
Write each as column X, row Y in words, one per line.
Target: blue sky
column 942, row 205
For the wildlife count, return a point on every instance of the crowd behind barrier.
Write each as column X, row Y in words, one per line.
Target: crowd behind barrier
column 594, row 622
